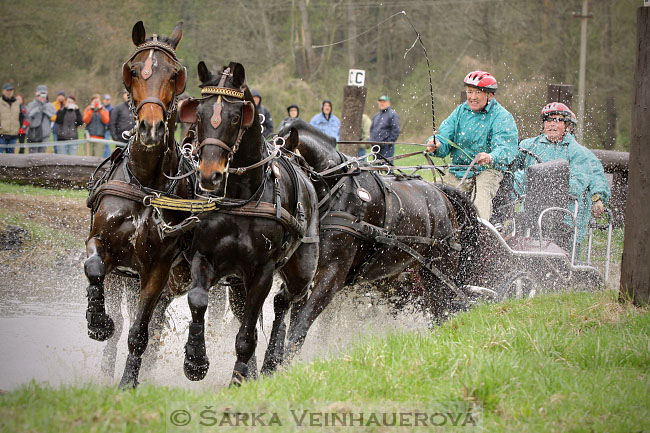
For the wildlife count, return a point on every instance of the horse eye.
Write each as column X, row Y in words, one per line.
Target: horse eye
column 235, row 119
column 134, row 73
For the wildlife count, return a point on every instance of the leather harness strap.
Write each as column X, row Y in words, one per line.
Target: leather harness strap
column 116, row 188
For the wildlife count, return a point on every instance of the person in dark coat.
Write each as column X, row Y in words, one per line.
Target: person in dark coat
column 267, row 125
column 293, row 112
column 385, row 127
column 121, row 120
column 69, row 119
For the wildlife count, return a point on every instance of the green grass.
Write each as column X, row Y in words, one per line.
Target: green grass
column 39, row 235
column 564, row 362
column 49, row 192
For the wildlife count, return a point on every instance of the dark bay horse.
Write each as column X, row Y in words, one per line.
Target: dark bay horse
column 124, row 235
column 370, row 226
column 266, row 218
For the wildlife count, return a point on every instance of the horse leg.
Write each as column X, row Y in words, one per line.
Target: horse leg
column 100, row 325
column 298, row 273
column 114, row 307
column 151, row 289
column 237, row 303
column 246, row 340
column 156, row 327
column 327, row 282
column 275, row 350
column 196, row 362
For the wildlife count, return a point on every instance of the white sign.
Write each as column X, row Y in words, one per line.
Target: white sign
column 356, row 77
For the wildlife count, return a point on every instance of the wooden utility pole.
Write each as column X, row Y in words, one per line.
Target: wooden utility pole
column 354, row 103
column 583, row 68
column 560, row 93
column 635, row 268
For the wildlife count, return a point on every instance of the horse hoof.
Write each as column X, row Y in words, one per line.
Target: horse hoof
column 196, row 370
column 102, row 333
column 236, row 380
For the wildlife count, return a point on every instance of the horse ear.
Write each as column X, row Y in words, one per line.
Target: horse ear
column 138, row 34
column 188, row 110
column 291, row 143
column 204, row 74
column 238, row 75
column 181, row 78
column 177, row 35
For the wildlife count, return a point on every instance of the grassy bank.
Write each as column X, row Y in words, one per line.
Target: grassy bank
column 568, row 362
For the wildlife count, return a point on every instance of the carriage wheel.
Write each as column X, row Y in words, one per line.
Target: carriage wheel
column 518, row 285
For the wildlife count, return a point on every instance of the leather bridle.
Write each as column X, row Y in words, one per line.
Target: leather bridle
column 147, row 71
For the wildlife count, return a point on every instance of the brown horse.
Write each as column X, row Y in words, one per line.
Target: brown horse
column 375, row 227
column 124, row 235
column 266, row 218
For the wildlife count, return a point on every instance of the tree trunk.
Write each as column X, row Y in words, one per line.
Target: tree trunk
column 352, row 31
column 308, row 53
column 354, row 102
column 268, row 37
column 609, row 137
column 635, row 271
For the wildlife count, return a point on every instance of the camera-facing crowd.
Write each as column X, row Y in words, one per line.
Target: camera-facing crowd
column 40, row 120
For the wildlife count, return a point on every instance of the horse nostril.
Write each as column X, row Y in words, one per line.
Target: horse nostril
column 216, row 177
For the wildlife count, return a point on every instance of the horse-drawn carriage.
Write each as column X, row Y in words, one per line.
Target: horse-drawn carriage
column 230, row 206
column 528, row 249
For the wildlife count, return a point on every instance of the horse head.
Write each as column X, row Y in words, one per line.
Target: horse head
column 222, row 116
column 154, row 78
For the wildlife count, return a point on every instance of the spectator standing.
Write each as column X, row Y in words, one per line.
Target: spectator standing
column 9, row 118
column 326, row 122
column 69, row 118
column 293, row 112
column 121, row 119
column 385, row 127
column 39, row 112
column 479, row 131
column 106, row 101
column 24, row 122
column 96, row 118
column 267, row 125
column 58, row 104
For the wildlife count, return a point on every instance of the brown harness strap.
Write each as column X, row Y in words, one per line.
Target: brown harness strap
column 116, row 188
column 268, row 210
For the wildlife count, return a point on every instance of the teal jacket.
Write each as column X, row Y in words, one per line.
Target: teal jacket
column 582, row 173
column 568, row 149
column 492, row 130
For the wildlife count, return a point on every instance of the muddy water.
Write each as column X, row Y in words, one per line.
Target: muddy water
column 43, row 334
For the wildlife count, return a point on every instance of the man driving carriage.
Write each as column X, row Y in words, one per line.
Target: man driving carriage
column 587, row 182
column 479, row 133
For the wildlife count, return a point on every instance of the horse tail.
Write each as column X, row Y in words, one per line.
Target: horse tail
column 469, row 226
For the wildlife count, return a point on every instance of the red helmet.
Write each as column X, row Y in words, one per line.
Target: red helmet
column 481, row 80
column 573, row 119
column 557, row 108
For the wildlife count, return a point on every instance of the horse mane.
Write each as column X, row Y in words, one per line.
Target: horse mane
column 301, row 126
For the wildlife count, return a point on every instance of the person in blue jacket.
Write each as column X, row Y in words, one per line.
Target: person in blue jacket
column 385, row 127
column 481, row 133
column 556, row 142
column 326, row 122
column 598, row 190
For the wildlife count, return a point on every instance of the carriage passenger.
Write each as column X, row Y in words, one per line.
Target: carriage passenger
column 482, row 132
column 586, row 183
